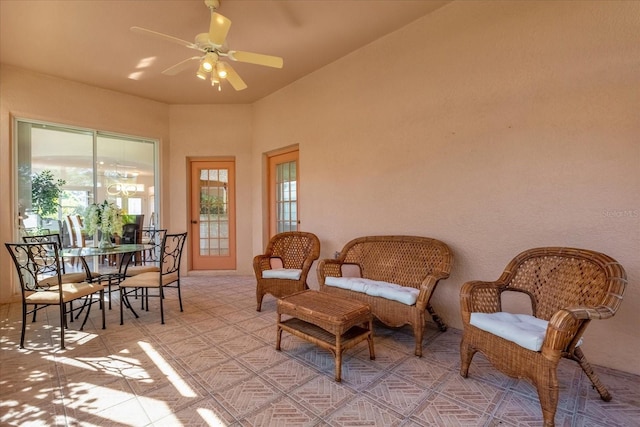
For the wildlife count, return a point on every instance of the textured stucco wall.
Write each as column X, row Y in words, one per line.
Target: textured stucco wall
column 493, row 126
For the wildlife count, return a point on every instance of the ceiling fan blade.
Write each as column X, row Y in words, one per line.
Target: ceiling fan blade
column 234, row 79
column 180, row 66
column 165, row 37
column 218, row 28
column 256, row 58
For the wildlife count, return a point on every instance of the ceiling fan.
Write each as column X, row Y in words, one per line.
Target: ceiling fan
column 211, row 46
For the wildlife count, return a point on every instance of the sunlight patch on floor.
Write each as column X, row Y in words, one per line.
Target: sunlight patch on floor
column 177, row 381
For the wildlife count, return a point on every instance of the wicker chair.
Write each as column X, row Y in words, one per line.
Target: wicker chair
column 414, row 262
column 292, row 250
column 568, row 288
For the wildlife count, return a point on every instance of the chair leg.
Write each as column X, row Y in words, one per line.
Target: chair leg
column 259, row 297
column 179, row 296
column 161, row 304
column 548, row 391
column 418, row 333
column 441, row 325
column 63, row 319
column 579, row 357
column 104, row 320
column 24, row 324
column 466, row 355
column 121, row 305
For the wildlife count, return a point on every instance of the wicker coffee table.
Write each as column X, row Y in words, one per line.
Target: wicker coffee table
column 330, row 322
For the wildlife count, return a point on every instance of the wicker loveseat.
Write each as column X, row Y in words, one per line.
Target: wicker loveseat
column 409, row 268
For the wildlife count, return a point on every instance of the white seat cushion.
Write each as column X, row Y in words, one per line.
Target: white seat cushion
column 391, row 291
column 523, row 329
column 282, row 273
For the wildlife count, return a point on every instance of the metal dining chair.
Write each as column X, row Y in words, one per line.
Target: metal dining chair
column 41, row 283
column 86, row 275
column 168, row 276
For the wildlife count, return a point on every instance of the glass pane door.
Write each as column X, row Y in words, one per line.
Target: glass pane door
column 283, row 191
column 213, row 216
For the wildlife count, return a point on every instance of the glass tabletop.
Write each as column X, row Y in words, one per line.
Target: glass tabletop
column 95, row 251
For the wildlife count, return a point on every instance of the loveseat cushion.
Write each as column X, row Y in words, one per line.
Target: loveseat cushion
column 282, row 273
column 523, row 329
column 391, row 291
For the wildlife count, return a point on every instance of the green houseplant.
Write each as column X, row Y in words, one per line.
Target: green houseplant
column 45, row 194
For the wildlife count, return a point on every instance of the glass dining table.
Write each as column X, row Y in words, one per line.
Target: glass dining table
column 123, row 252
column 94, row 251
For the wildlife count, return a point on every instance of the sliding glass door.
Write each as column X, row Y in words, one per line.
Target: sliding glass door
column 89, row 166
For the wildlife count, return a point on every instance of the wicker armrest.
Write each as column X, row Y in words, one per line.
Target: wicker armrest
column 427, row 287
column 584, row 313
column 328, row 268
column 565, row 324
column 479, row 296
column 262, row 262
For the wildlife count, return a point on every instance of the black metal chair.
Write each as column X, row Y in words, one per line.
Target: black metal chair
column 41, row 284
column 150, row 259
column 86, row 276
column 168, row 276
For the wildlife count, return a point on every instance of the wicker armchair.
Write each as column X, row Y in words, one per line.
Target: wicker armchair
column 289, row 251
column 568, row 288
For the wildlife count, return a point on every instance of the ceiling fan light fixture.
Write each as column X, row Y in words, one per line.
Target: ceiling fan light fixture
column 221, row 70
column 209, row 61
column 202, row 73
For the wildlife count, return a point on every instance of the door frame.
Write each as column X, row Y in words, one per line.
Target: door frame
column 190, row 194
column 269, row 206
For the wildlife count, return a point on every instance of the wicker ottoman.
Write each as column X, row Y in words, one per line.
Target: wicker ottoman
column 333, row 323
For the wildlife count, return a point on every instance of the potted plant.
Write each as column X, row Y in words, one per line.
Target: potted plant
column 45, row 194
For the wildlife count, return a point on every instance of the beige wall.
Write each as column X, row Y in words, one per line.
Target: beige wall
column 206, row 132
column 493, row 126
column 34, row 96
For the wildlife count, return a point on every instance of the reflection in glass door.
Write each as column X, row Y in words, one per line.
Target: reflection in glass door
column 213, row 215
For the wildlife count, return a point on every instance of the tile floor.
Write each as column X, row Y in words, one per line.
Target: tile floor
column 215, row 364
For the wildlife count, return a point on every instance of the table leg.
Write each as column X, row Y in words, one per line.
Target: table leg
column 278, row 333
column 338, row 355
column 372, row 353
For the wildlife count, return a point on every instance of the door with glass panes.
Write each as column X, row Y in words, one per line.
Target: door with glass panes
column 284, row 176
column 213, row 239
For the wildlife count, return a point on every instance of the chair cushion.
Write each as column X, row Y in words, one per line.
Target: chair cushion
column 149, row 280
column 282, row 273
column 523, row 329
column 67, row 278
column 70, row 291
column 403, row 294
column 135, row 270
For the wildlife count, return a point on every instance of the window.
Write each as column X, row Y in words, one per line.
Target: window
column 93, row 166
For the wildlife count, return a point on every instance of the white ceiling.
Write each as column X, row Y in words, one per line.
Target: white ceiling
column 90, row 41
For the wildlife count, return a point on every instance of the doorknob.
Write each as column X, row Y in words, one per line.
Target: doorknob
column 193, row 221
